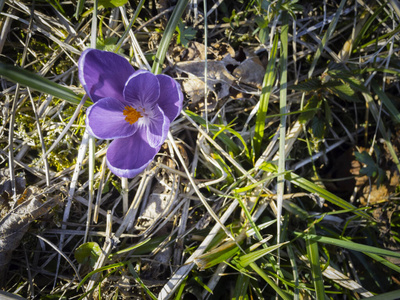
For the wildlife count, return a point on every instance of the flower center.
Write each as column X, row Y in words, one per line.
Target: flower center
column 132, row 115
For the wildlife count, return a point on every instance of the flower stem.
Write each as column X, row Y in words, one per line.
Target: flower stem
column 169, row 31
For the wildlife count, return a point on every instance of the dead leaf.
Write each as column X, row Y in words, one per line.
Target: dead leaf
column 250, row 72
column 219, row 80
column 16, row 221
column 194, row 52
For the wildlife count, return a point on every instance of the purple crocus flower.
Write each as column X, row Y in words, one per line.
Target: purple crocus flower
column 134, row 108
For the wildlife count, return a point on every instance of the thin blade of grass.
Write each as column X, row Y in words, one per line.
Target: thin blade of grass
column 349, row 245
column 387, row 296
column 295, row 271
column 254, row 185
column 241, row 286
column 79, row 8
column 326, row 37
column 251, row 257
column 384, row 261
column 217, row 256
column 313, row 258
column 386, row 101
column 106, row 268
column 174, row 282
column 266, row 90
column 313, row 188
column 366, row 25
column 123, row 37
column 40, row 84
column 264, row 276
column 167, row 36
column 41, row 139
column 382, row 128
column 233, row 148
column 282, row 125
column 137, row 278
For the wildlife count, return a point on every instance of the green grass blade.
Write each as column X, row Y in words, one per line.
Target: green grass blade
column 383, row 261
column 239, row 137
column 249, row 218
column 254, row 185
column 313, row 257
column 387, row 296
column 79, row 8
column 349, row 245
column 382, row 37
column 222, row 253
column 282, row 125
column 328, row 196
column 295, row 271
column 233, row 149
column 241, row 286
column 366, row 26
column 268, row 82
column 39, row 83
column 147, row 246
column 179, row 293
column 134, row 247
column 199, row 280
column 167, row 36
column 251, row 257
column 123, row 37
column 383, row 70
column 105, row 268
column 137, row 278
column 382, row 128
column 313, row 188
column 326, row 37
column 217, row 256
column 386, row 101
column 264, row 276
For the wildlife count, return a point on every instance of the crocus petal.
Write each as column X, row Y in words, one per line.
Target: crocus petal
column 105, row 120
column 171, row 97
column 103, row 74
column 127, row 157
column 155, row 127
column 142, row 89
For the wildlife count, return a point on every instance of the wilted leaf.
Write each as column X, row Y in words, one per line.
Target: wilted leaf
column 16, row 221
column 219, row 79
column 250, row 71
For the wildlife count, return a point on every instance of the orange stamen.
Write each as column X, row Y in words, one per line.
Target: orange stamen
column 132, row 115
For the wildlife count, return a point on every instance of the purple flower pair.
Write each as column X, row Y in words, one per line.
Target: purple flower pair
column 134, row 108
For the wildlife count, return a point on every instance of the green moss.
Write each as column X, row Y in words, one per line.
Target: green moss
column 64, row 155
